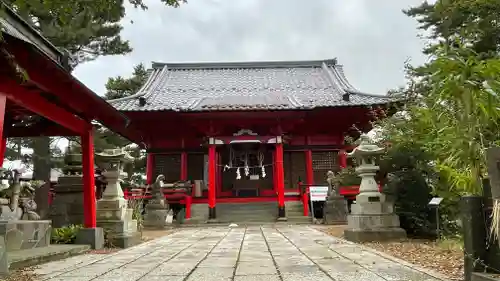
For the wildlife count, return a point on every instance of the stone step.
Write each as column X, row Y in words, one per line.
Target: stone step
column 30, row 257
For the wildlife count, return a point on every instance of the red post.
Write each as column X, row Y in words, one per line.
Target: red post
column 89, row 199
column 184, row 167
column 309, row 181
column 3, row 148
column 212, row 168
column 280, row 180
column 150, row 164
column 309, row 168
column 342, row 159
column 3, row 103
column 189, row 201
column 275, row 173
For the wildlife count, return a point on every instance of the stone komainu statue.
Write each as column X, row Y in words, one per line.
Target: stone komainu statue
column 13, row 206
column 332, row 183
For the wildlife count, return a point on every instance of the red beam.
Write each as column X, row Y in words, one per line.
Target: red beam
column 89, row 209
column 34, row 102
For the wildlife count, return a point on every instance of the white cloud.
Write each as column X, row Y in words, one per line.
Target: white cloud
column 372, row 39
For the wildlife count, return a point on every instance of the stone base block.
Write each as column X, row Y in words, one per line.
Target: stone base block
column 91, row 236
column 368, row 235
column 4, row 261
column 125, row 241
column 213, row 221
column 155, row 218
column 118, row 227
column 20, row 235
column 335, row 211
column 372, row 221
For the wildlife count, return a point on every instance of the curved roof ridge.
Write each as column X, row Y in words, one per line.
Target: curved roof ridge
column 242, row 64
column 152, row 79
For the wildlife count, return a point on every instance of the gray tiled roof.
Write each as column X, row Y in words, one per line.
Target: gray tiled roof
column 246, row 86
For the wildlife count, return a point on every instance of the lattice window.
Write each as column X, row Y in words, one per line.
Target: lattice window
column 195, row 166
column 322, row 162
column 295, row 168
column 168, row 165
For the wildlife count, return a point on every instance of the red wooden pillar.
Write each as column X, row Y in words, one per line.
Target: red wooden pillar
column 309, row 181
column 212, row 169
column 280, row 178
column 275, row 174
column 150, row 166
column 89, row 199
column 3, row 139
column 3, row 148
column 184, row 167
column 342, row 159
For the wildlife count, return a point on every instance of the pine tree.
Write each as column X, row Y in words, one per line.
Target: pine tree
column 87, row 29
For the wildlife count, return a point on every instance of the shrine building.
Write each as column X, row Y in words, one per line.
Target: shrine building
column 249, row 131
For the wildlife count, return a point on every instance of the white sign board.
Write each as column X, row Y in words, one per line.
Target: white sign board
column 435, row 201
column 318, row 193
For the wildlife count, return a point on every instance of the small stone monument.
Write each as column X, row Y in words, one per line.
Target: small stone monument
column 335, row 208
column 113, row 213
column 20, row 226
column 67, row 206
column 156, row 209
column 372, row 218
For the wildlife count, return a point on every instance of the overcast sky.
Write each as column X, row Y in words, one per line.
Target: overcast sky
column 372, row 39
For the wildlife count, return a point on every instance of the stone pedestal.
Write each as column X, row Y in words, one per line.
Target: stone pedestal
column 335, row 210
column 91, row 236
column 372, row 218
column 113, row 213
column 67, row 206
column 156, row 208
column 21, row 234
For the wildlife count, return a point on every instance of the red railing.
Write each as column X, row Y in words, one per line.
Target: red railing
column 171, row 195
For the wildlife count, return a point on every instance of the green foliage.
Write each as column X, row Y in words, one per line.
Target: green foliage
column 88, row 29
column 65, row 235
column 472, row 22
column 120, row 87
column 348, row 177
column 439, row 137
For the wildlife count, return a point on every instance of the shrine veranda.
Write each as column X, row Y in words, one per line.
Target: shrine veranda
column 249, row 132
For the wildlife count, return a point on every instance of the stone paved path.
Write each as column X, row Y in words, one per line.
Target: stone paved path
column 240, row 254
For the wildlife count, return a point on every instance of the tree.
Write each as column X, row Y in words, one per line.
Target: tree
column 451, row 113
column 87, row 29
column 120, row 87
column 471, row 22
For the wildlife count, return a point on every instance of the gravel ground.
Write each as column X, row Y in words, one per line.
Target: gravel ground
column 445, row 257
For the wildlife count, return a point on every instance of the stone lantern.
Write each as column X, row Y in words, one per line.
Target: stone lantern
column 113, row 213
column 372, row 218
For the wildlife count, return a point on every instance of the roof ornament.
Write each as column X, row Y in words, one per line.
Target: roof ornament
column 142, row 101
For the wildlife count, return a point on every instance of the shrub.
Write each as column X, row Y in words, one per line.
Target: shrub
column 65, row 235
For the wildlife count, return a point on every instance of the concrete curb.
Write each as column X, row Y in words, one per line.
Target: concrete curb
column 415, row 267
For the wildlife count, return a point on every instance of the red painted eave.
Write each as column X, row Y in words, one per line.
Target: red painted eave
column 52, row 78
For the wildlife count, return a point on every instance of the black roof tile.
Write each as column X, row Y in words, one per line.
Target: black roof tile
column 246, row 86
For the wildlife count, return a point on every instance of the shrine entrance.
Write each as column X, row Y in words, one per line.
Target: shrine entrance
column 247, row 169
